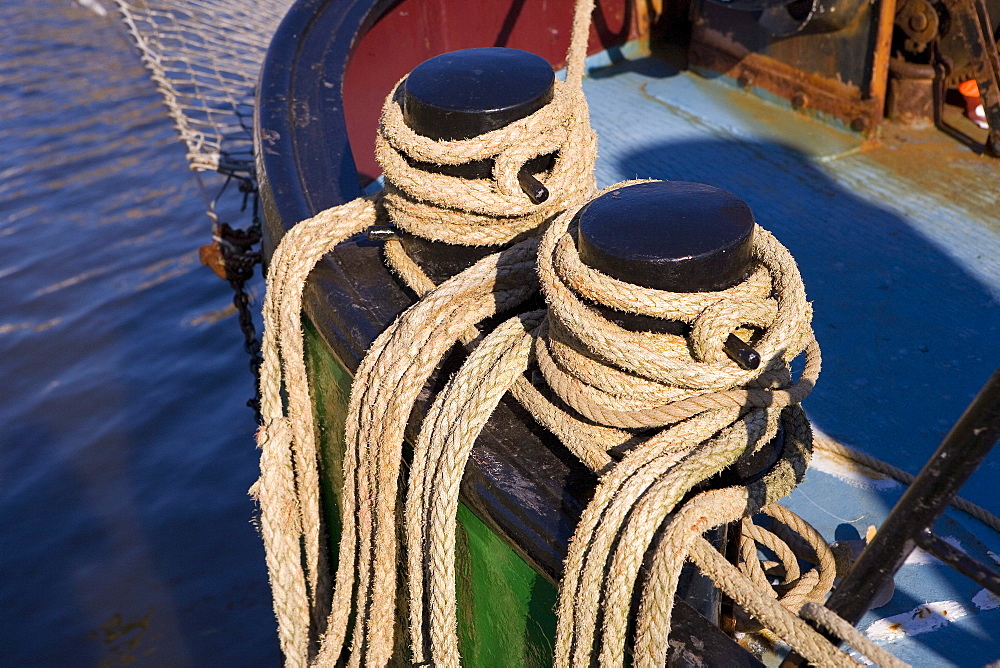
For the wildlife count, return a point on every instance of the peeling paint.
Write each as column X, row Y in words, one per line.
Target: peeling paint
column 986, row 600
column 922, row 619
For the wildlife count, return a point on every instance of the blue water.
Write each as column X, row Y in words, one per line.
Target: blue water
column 126, row 447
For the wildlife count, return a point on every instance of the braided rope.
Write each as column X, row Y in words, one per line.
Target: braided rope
column 288, row 488
column 652, row 477
column 666, row 358
column 772, row 614
column 608, row 381
column 433, row 206
column 710, row 412
column 495, row 211
column 387, row 384
column 486, row 212
column 826, row 619
column 440, row 455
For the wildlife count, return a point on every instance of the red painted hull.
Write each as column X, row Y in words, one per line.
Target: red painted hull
column 416, row 30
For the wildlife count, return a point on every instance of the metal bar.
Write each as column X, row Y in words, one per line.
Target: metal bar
column 958, row 456
column 980, row 573
column 961, row 452
column 880, row 58
column 727, row 607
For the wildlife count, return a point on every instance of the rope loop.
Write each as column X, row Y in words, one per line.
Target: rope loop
column 717, row 321
column 707, row 413
column 673, row 408
column 639, row 379
column 475, row 212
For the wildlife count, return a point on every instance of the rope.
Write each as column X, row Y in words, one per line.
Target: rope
column 388, row 381
column 709, row 413
column 830, row 445
column 486, row 212
column 635, row 508
column 827, row 620
column 790, row 628
column 443, row 446
column 312, row 625
column 288, row 488
column 607, row 387
column 674, row 409
column 440, row 455
column 383, row 395
column 625, row 379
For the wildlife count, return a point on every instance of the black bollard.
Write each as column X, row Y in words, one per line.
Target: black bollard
column 463, row 94
column 674, row 236
column 668, row 235
column 679, row 237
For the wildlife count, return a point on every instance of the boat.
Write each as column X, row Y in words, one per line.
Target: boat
column 831, row 122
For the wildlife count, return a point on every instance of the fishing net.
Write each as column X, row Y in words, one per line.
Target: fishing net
column 205, row 57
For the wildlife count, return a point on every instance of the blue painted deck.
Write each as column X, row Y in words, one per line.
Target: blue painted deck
column 899, row 247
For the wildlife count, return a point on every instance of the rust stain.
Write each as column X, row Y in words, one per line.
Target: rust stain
column 715, row 51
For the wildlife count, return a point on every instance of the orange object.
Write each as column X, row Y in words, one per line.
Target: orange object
column 973, row 103
column 969, row 88
column 211, row 256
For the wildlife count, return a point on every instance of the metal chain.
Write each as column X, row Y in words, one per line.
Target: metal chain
column 233, row 255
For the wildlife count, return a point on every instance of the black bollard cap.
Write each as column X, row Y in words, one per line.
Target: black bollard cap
column 668, row 235
column 465, row 93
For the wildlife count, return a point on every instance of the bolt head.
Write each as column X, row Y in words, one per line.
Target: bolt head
column 918, row 22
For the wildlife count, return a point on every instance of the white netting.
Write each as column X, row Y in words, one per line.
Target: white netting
column 205, row 56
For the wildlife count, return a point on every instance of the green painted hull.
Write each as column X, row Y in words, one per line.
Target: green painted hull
column 506, row 610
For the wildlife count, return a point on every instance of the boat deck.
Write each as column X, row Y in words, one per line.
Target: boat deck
column 898, row 242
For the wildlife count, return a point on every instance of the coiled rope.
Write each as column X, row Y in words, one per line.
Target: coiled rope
column 485, row 212
column 709, row 410
column 608, row 387
column 462, row 408
column 433, row 206
column 498, row 362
